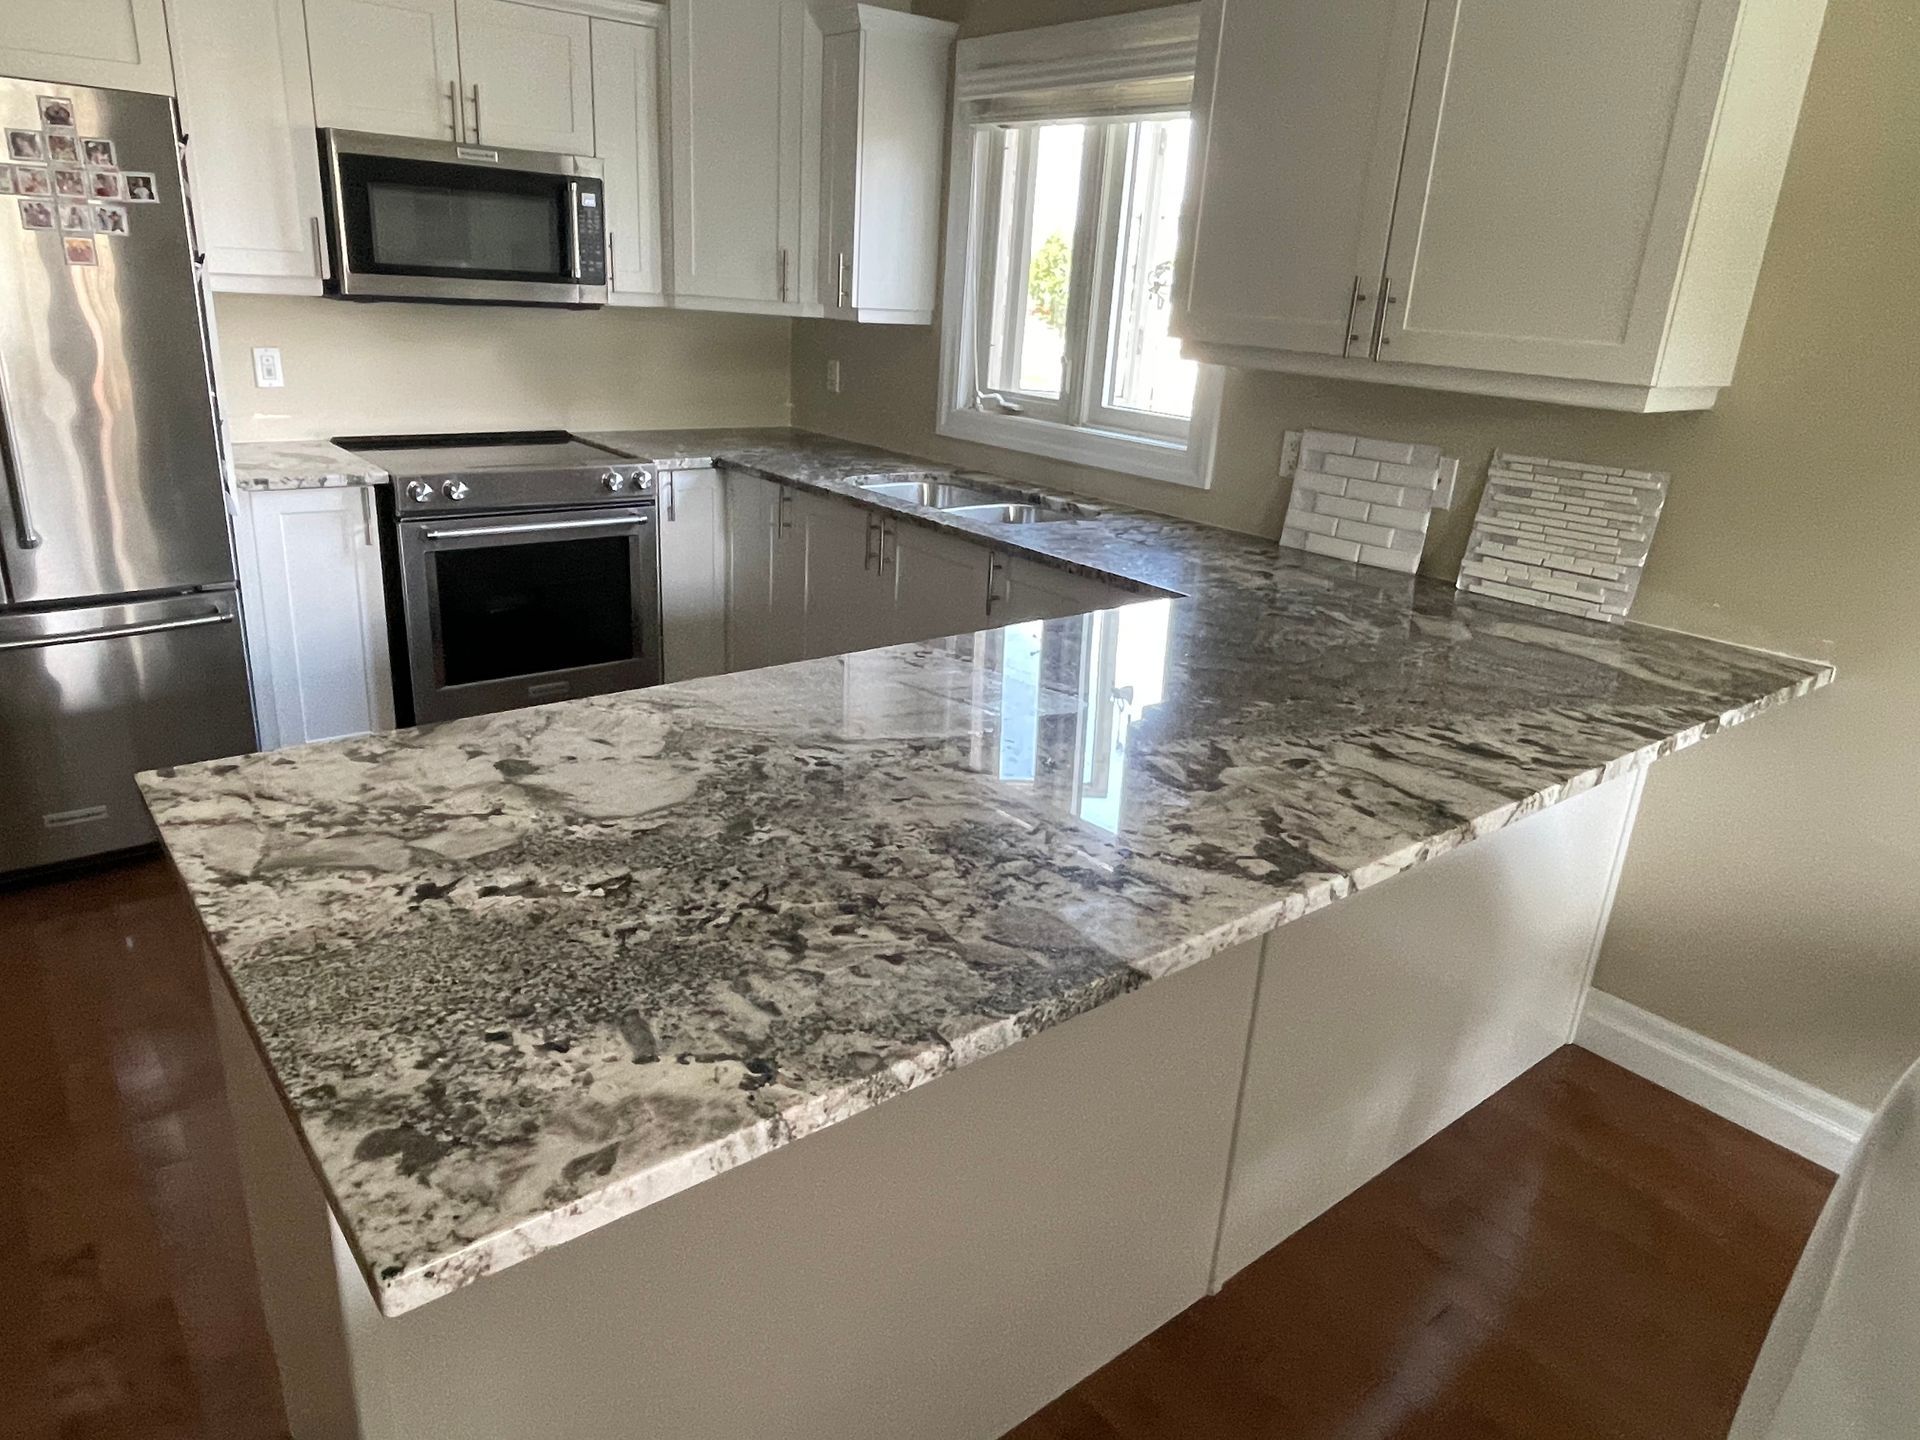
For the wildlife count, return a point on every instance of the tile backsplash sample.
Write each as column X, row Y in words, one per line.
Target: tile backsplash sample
column 1365, row 500
column 1563, row 535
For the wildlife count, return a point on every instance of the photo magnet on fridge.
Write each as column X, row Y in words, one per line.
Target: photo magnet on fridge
column 140, row 188
column 100, row 154
column 77, row 219
column 109, row 219
column 56, row 112
column 80, row 250
column 27, row 145
column 36, row 215
column 104, row 184
column 70, row 181
column 28, row 180
column 63, row 145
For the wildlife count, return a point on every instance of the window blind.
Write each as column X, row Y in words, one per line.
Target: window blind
column 1120, row 67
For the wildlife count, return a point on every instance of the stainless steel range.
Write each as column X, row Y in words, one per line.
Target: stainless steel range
column 521, row 568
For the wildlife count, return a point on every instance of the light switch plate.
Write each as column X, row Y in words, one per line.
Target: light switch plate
column 267, row 374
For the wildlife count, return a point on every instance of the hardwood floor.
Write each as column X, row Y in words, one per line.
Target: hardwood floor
column 124, row 1259
column 1584, row 1255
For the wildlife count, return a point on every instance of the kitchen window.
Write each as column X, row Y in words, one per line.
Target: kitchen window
column 1064, row 221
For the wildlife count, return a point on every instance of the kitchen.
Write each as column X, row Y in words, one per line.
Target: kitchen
column 795, row 234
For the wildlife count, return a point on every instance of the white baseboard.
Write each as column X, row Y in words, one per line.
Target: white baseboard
column 1736, row 1087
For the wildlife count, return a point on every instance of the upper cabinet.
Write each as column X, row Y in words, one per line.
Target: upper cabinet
column 627, row 106
column 115, row 44
column 746, row 144
column 389, row 66
column 1551, row 199
column 486, row 72
column 882, row 131
column 247, row 106
column 528, row 73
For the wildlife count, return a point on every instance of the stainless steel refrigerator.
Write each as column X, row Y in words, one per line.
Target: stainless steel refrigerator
column 120, row 642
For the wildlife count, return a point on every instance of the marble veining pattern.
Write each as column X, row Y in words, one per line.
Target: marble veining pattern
column 521, row 975
column 300, row 465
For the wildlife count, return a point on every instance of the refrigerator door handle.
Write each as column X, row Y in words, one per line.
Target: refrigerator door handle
column 16, row 486
column 117, row 632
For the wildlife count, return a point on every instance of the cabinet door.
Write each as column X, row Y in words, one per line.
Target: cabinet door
column 316, row 614
column 1033, row 590
column 117, row 44
column 693, row 573
column 738, row 111
column 849, row 604
column 766, row 574
column 626, row 132
column 528, row 73
column 390, row 66
column 1302, row 112
column 1550, row 174
column 246, row 102
column 939, row 583
column 839, row 171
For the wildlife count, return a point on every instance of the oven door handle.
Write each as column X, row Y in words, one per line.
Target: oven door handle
column 545, row 527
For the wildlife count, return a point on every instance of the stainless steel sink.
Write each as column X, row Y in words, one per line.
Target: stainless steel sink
column 937, row 494
column 1019, row 514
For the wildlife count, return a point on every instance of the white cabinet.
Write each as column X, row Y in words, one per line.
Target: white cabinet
column 693, row 573
column 1309, row 170
column 766, row 574
column 528, row 73
column 745, row 134
column 939, row 582
column 849, row 604
column 1549, row 199
column 1026, row 589
column 117, row 44
column 626, row 130
column 883, row 127
column 246, row 103
column 315, row 610
column 390, row 66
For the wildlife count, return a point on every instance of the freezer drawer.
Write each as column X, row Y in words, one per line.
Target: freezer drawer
column 91, row 696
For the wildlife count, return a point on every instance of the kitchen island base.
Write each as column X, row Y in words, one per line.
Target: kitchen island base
column 947, row 1263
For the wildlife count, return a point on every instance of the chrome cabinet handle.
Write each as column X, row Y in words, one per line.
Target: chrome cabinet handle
column 672, row 498
column 995, row 567
column 621, row 522
column 783, row 272
column 453, row 111
column 785, row 510
column 873, row 528
column 613, row 271
column 367, row 537
column 1386, row 294
column 117, row 632
column 476, row 114
column 842, row 288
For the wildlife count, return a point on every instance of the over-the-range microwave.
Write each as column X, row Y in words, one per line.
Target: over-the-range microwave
column 434, row 220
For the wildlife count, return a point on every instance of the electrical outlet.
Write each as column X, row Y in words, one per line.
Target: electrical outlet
column 833, row 377
column 1289, row 454
column 267, row 373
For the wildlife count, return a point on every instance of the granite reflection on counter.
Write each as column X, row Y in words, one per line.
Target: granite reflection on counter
column 300, row 465
column 524, row 974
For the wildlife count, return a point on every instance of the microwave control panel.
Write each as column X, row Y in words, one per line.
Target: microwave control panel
column 593, row 233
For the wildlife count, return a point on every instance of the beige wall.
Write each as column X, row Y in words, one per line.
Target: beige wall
column 1772, row 897
column 381, row 369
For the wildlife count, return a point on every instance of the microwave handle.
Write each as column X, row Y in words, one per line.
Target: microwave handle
column 573, row 229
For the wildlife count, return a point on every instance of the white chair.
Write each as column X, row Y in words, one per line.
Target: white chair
column 1842, row 1360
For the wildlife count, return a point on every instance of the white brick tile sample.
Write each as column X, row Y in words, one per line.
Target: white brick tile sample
column 1563, row 535
column 1366, row 500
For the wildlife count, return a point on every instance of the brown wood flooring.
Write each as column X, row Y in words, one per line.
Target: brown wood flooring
column 1584, row 1255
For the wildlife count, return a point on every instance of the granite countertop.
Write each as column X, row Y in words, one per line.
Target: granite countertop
column 300, row 465
column 524, row 974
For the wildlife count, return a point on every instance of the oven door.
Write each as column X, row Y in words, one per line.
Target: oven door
column 509, row 610
column 428, row 220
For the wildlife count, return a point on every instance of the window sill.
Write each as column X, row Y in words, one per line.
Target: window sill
column 1173, row 462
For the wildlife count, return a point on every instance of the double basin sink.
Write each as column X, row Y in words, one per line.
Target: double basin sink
column 974, row 499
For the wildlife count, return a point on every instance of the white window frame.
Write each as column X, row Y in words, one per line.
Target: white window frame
column 1180, row 453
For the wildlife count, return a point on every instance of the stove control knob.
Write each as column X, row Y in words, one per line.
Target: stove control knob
column 454, row 489
column 614, row 482
column 419, row 491
column 643, row 482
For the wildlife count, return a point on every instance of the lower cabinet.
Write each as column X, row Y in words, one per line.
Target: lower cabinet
column 315, row 611
column 766, row 573
column 939, row 583
column 1026, row 589
column 693, row 573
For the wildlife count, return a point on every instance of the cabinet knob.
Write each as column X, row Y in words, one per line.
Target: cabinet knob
column 454, row 489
